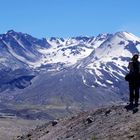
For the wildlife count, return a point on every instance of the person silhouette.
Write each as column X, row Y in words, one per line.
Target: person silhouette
column 134, row 82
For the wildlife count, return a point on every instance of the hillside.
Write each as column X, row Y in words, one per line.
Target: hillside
column 45, row 76
column 107, row 123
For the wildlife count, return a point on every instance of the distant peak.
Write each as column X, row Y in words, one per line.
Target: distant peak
column 11, row 31
column 84, row 38
column 122, row 33
column 104, row 35
column 128, row 36
column 53, row 38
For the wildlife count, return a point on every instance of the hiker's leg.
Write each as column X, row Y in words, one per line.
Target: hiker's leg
column 136, row 95
column 131, row 90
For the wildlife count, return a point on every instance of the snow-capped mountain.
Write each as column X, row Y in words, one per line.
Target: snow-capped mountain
column 108, row 63
column 20, row 50
column 82, row 71
column 21, row 54
column 69, row 51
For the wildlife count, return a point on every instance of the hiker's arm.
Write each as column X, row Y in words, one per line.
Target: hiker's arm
column 129, row 66
column 139, row 67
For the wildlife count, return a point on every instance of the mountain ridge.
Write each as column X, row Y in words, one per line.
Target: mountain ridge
column 76, row 73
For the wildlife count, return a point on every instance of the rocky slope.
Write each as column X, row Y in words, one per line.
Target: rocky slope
column 107, row 123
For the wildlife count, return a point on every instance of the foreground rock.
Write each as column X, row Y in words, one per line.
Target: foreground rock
column 109, row 123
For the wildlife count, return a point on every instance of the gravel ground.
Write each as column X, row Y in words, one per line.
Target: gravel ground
column 10, row 128
column 109, row 123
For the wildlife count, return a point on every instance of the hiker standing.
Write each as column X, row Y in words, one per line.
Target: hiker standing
column 134, row 82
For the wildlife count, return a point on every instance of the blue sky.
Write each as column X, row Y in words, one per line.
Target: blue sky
column 67, row 18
